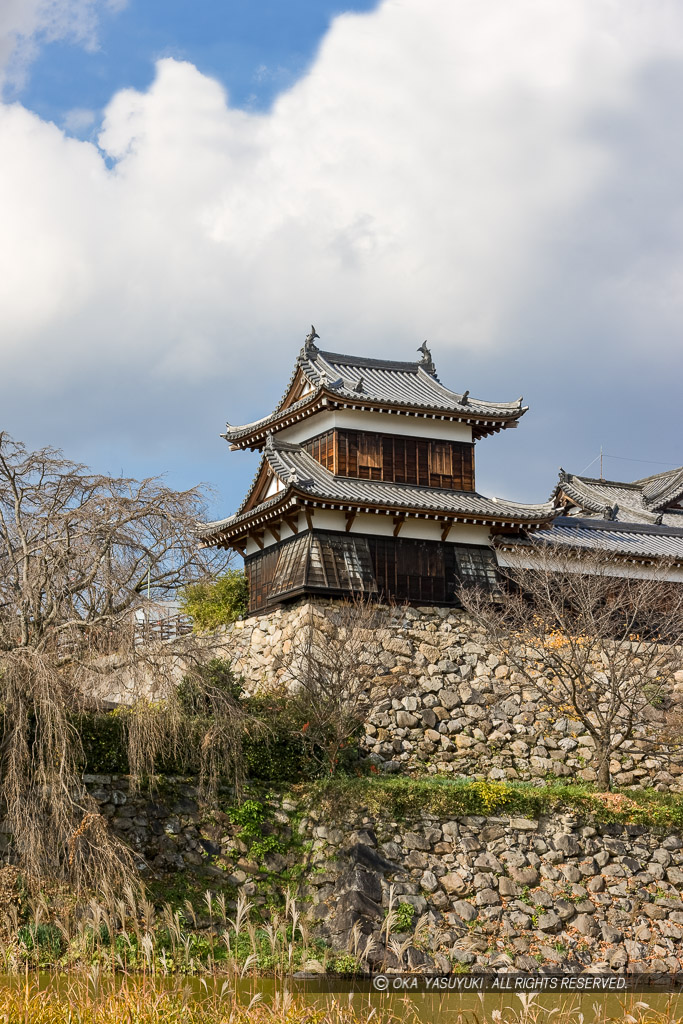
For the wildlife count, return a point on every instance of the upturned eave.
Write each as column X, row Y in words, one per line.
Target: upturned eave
column 255, row 435
column 237, row 530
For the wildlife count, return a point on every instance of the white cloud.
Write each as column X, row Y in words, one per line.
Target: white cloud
column 467, row 170
column 26, row 25
column 78, row 120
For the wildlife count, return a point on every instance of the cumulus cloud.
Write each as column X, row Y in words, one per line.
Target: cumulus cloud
column 501, row 178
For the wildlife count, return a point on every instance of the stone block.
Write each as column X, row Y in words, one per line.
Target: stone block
column 486, row 897
column 549, row 922
column 524, row 875
column 453, row 882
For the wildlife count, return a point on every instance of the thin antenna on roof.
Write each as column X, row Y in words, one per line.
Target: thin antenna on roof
column 601, row 476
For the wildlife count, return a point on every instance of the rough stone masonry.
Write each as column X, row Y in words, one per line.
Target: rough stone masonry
column 460, row 709
column 484, row 892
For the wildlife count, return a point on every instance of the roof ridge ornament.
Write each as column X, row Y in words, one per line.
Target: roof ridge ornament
column 360, row 384
column 310, row 349
column 427, row 363
column 465, row 397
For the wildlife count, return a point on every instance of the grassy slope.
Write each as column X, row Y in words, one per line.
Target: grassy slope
column 401, row 796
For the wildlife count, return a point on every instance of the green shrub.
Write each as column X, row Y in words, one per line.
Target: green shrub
column 279, row 753
column 275, row 753
column 43, row 940
column 217, row 603
column 251, row 817
column 103, row 738
column 404, row 917
column 216, row 675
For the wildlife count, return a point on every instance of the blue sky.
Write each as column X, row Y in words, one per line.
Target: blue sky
column 255, row 48
column 184, row 188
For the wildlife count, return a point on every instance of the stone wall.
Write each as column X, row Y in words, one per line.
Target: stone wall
column 485, row 891
column 500, row 891
column 460, row 708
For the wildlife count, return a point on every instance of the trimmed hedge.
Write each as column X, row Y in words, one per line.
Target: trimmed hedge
column 276, row 754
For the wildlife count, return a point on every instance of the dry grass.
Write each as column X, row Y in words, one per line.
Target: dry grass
column 93, row 1000
column 130, row 935
column 139, row 1002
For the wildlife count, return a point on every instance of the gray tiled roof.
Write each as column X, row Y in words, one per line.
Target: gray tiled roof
column 663, row 489
column 293, row 464
column 635, row 540
column 299, row 471
column 355, row 379
column 627, row 520
column 403, row 383
column 641, row 502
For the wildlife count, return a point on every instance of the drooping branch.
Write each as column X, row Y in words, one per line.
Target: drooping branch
column 80, row 553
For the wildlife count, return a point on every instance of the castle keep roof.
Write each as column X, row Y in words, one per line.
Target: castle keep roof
column 640, row 521
column 630, row 541
column 329, row 380
column 649, row 500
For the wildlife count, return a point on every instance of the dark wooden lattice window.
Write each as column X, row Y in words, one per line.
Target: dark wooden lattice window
column 440, row 464
column 290, row 572
column 322, row 448
column 369, row 456
column 426, row 572
column 409, row 570
column 260, row 570
column 476, row 567
column 325, row 562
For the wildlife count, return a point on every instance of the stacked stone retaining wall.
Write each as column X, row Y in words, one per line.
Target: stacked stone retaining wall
column 483, row 892
column 459, row 707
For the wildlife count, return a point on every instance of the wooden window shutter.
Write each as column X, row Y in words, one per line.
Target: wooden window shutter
column 441, row 461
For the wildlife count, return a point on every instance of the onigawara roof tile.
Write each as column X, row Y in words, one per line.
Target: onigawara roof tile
column 361, row 382
column 301, row 475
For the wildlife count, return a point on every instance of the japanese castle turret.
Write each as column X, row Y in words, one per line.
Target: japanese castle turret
column 366, row 485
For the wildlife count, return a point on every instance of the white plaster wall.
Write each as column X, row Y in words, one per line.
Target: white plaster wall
column 273, row 487
column 528, row 559
column 269, row 540
column 418, row 529
column 380, row 526
column 379, row 422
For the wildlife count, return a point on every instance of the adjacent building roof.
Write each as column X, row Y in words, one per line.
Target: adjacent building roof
column 630, row 541
column 646, row 501
column 640, row 521
column 306, row 482
column 330, row 380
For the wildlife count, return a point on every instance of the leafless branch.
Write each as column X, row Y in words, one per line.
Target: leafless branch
column 80, row 553
column 600, row 646
column 338, row 686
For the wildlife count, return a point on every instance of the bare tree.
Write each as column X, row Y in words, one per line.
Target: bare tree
column 79, row 553
column 600, row 646
column 337, row 683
